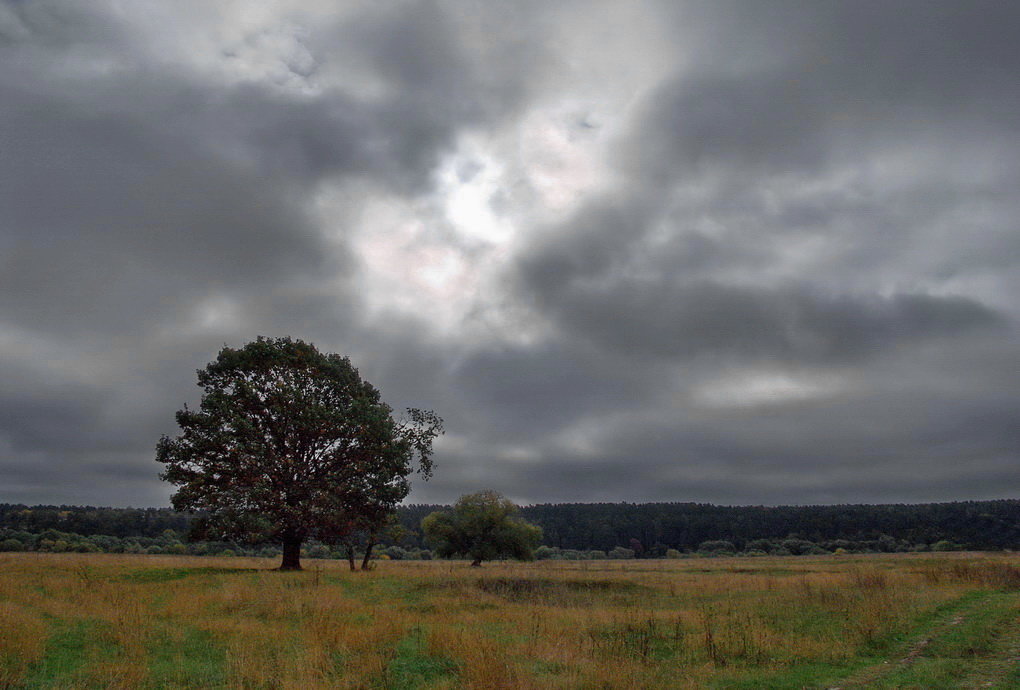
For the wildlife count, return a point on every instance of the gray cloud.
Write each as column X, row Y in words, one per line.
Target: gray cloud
column 712, row 251
column 684, row 319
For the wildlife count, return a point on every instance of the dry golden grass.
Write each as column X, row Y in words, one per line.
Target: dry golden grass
column 109, row 621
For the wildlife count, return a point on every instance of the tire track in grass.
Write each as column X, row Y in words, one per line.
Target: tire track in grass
column 1002, row 670
column 877, row 675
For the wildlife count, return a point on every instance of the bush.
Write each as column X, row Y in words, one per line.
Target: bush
column 395, row 553
column 621, row 552
column 673, row 553
column 11, row 545
column 319, row 551
column 105, row 543
column 59, row 546
column 715, row 545
column 799, row 546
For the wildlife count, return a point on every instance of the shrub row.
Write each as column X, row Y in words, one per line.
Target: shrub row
column 170, row 543
column 757, row 547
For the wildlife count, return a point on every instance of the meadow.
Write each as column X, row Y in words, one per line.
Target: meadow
column 848, row 621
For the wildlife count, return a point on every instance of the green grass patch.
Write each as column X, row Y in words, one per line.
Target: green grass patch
column 413, row 667
column 544, row 667
column 893, row 642
column 186, row 658
column 648, row 640
column 567, row 592
column 70, row 646
column 925, row 673
column 804, row 675
column 376, row 590
column 150, row 575
column 975, row 633
column 876, row 663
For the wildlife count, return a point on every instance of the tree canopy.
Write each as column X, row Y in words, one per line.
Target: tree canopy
column 482, row 526
column 290, row 443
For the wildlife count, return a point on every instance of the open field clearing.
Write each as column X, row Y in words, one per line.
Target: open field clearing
column 105, row 621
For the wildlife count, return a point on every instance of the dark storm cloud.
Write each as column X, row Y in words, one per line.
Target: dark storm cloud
column 727, row 177
column 900, row 435
column 945, row 55
column 792, row 91
column 135, row 191
column 114, row 218
column 683, row 319
column 795, row 284
column 527, row 392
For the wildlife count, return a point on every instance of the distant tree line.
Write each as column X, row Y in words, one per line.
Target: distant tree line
column 650, row 529
column 87, row 520
column 170, row 543
column 570, row 531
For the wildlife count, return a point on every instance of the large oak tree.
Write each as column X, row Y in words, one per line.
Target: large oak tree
column 290, row 443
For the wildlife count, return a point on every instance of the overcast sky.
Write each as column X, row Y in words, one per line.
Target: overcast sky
column 730, row 252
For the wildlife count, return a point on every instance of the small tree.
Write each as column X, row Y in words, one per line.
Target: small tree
column 482, row 526
column 365, row 532
column 290, row 443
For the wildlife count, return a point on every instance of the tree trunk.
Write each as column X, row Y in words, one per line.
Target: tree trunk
column 350, row 557
column 368, row 555
column 291, row 553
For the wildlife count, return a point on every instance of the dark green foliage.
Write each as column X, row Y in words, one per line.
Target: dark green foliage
column 717, row 545
column 289, row 444
column 573, row 528
column 12, row 545
column 603, row 526
column 86, row 520
column 482, row 526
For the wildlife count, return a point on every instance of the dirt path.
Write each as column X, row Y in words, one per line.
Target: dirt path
column 870, row 676
column 988, row 656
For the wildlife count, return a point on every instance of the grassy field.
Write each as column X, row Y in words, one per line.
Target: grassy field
column 106, row 621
